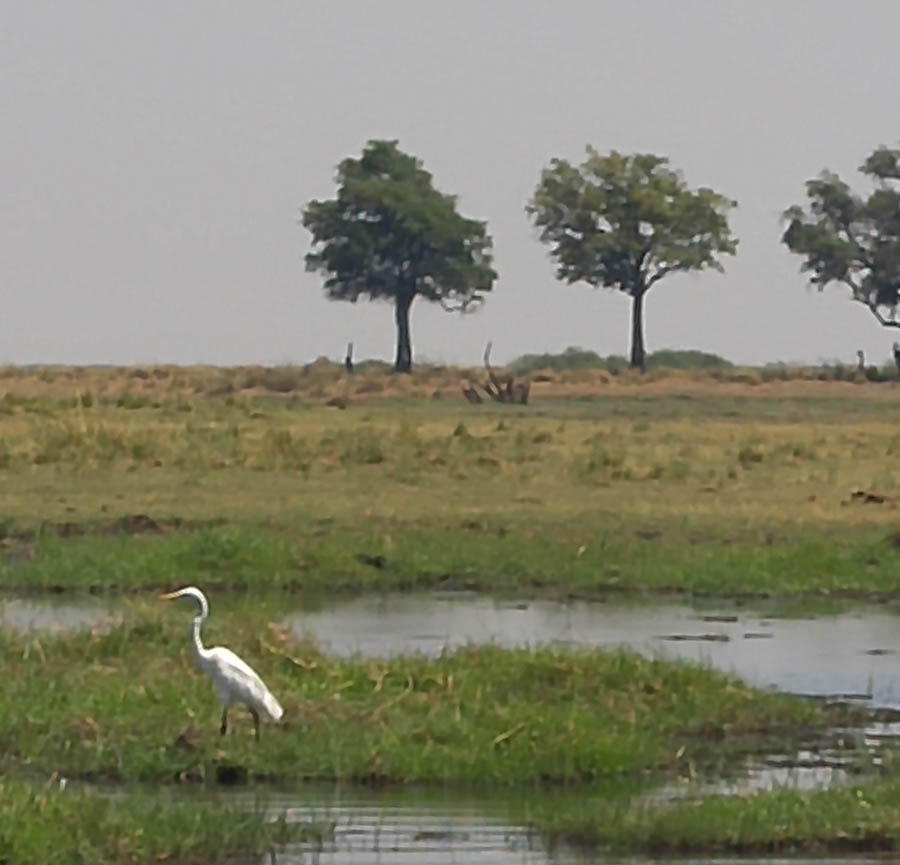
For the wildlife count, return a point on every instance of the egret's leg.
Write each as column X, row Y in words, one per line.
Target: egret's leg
column 255, row 723
column 223, row 729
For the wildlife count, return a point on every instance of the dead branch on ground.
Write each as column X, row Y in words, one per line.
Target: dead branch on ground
column 503, row 389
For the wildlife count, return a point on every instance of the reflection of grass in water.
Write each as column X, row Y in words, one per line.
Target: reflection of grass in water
column 55, row 825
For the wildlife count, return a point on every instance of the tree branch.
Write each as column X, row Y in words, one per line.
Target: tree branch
column 498, row 388
column 463, row 305
column 884, row 322
column 860, row 297
column 657, row 276
column 508, row 392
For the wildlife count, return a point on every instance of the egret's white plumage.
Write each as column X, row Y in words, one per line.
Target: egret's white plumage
column 235, row 681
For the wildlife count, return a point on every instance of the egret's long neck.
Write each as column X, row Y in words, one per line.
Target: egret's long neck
column 200, row 653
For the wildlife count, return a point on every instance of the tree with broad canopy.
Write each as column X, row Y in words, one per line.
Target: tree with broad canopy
column 625, row 222
column 848, row 239
column 390, row 235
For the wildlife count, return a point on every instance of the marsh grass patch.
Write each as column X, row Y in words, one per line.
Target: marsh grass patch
column 53, row 823
column 857, row 819
column 128, row 704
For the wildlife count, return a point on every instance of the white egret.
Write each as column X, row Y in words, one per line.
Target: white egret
column 235, row 681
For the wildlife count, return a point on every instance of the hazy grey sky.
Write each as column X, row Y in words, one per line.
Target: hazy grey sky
column 156, row 157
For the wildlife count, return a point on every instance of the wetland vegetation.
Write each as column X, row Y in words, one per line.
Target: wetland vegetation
column 128, row 705
column 57, row 825
column 857, row 819
column 132, row 481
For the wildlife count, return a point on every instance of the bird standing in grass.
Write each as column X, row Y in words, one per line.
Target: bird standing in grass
column 235, row 681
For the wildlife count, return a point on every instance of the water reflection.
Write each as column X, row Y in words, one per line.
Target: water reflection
column 45, row 614
column 851, row 654
column 431, row 827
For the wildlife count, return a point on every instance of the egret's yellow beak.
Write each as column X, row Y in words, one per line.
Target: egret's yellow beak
column 168, row 596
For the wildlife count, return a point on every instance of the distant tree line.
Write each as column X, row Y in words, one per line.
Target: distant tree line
column 623, row 222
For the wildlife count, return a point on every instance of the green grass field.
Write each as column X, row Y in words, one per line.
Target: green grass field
column 711, row 494
column 125, row 483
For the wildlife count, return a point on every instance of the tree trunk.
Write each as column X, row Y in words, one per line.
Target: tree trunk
column 403, row 363
column 637, row 331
